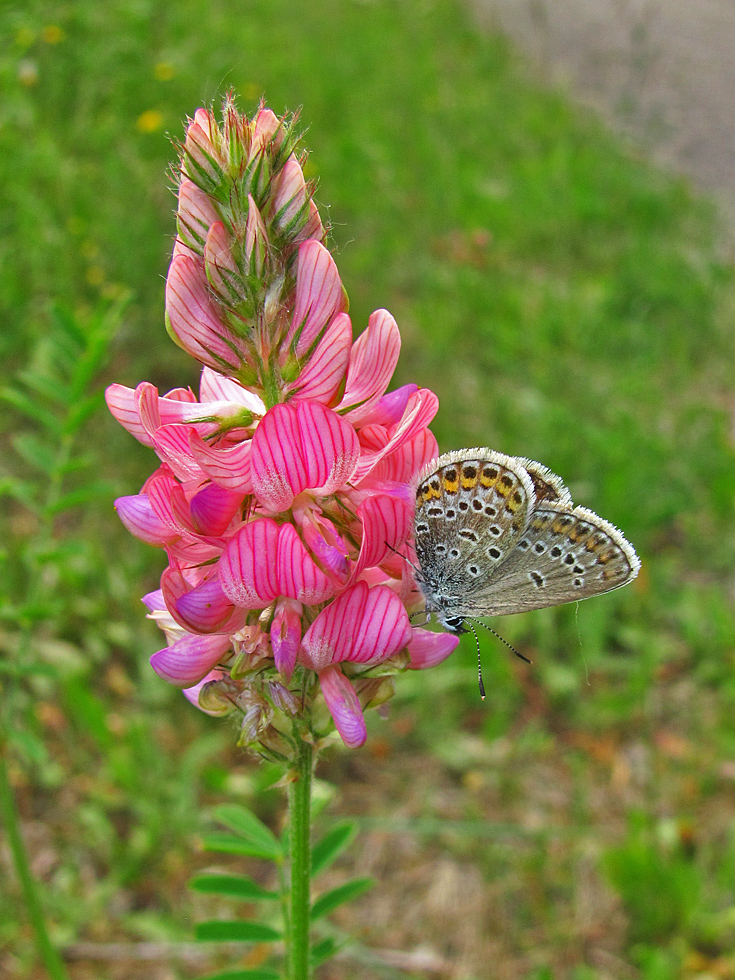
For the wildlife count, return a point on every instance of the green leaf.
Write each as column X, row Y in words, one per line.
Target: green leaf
column 27, row 406
column 337, row 896
column 323, row 951
column 229, row 844
column 246, row 824
column 100, row 488
column 239, row 932
column 245, row 975
column 236, row 886
column 333, row 842
column 35, row 452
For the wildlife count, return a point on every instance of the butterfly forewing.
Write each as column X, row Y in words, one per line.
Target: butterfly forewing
column 564, row 554
column 471, row 508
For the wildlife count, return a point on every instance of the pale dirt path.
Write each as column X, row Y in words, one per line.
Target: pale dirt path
column 661, row 71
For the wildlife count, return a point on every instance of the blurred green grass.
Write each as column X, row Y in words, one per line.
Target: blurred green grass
column 566, row 300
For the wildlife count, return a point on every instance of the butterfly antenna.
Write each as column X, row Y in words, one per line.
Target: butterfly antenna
column 407, row 560
column 479, row 663
column 503, row 640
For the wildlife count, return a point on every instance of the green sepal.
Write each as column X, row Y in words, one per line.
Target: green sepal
column 235, row 886
column 244, row 823
column 236, row 931
column 324, row 852
column 329, row 901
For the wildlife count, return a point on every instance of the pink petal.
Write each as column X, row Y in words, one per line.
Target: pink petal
column 321, row 378
column 289, row 198
column 213, row 508
column 298, row 575
column 172, row 446
column 248, row 568
column 372, row 363
column 215, row 387
column 229, row 467
column 160, row 487
column 387, row 522
column 206, row 609
column 322, row 539
column 123, row 405
column 140, row 519
column 428, row 649
column 180, row 395
column 193, row 319
column 402, row 465
column 266, row 126
column 313, row 227
column 189, row 659
column 389, row 409
column 147, row 399
column 344, row 706
column 221, row 269
column 318, row 295
column 286, row 636
column 420, row 410
column 329, row 447
column 195, row 214
column 277, row 466
column 361, row 625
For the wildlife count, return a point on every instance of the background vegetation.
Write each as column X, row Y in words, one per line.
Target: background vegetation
column 567, row 302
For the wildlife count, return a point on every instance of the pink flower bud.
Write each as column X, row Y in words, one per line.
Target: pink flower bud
column 286, row 635
column 256, row 241
column 201, row 158
column 221, row 268
column 290, row 203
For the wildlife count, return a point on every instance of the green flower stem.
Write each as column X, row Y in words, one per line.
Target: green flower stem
column 9, row 813
column 299, row 809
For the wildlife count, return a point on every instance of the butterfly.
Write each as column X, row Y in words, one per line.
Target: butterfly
column 497, row 534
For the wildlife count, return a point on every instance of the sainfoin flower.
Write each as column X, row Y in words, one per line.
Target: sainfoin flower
column 283, row 497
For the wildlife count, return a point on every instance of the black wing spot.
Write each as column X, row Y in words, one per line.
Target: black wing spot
column 537, row 578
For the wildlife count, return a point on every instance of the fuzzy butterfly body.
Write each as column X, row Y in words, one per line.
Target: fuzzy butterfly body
column 498, row 534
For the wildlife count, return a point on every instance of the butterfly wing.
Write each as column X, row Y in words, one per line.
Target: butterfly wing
column 564, row 554
column 471, row 508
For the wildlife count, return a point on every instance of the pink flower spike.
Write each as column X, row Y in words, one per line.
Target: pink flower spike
column 319, row 295
column 298, row 575
column 362, row 625
column 190, row 659
column 372, row 363
column 193, row 320
column 140, row 519
column 320, row 380
column 228, row 467
column 248, row 568
column 286, row 636
column 213, row 508
column 329, row 447
column 428, row 649
column 344, row 706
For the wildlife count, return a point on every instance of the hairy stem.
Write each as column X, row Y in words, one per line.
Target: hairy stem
column 299, row 809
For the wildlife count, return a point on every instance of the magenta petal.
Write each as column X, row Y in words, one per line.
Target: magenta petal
column 140, row 519
column 402, row 465
column 298, row 575
column 344, row 706
column 229, row 467
column 206, row 609
column 386, row 522
column 318, row 294
column 213, row 508
column 277, row 466
column 286, row 636
column 420, row 410
column 322, row 539
column 193, row 318
column 428, row 649
column 390, row 408
column 248, row 568
column 329, row 446
column 322, row 376
column 372, row 363
column 154, row 601
column 189, row 659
